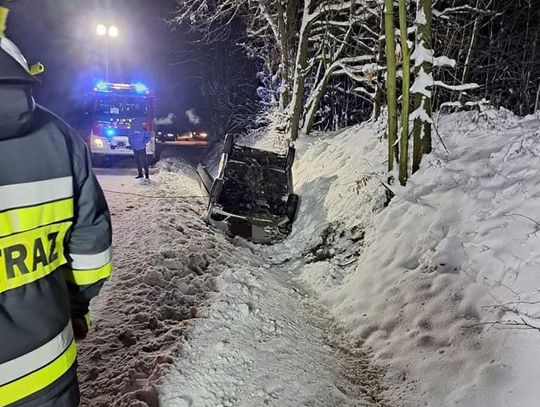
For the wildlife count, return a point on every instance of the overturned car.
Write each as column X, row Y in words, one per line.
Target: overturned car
column 252, row 195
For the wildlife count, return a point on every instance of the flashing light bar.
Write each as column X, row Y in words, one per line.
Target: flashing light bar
column 140, row 88
column 102, row 86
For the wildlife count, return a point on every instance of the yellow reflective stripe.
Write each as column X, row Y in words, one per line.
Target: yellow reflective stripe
column 22, row 219
column 86, row 277
column 88, row 319
column 26, row 257
column 38, row 380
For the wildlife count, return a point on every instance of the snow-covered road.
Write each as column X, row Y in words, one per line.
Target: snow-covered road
column 191, row 318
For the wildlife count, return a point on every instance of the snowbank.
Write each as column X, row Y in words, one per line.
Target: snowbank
column 428, row 282
column 425, row 283
column 165, row 263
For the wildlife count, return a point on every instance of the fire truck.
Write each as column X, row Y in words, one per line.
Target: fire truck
column 116, row 109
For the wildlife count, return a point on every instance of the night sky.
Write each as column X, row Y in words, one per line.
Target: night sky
column 61, row 35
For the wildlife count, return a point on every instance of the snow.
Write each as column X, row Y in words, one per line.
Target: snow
column 422, row 83
column 165, row 261
column 422, row 55
column 265, row 341
column 262, row 344
column 450, row 250
column 372, row 301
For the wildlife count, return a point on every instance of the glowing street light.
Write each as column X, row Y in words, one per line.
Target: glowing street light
column 113, row 31
column 101, row 30
column 107, row 31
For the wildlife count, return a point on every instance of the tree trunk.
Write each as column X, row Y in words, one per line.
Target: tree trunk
column 316, row 96
column 426, row 139
column 471, row 50
column 300, row 73
column 379, row 90
column 406, row 84
column 390, row 81
column 422, row 129
column 286, row 22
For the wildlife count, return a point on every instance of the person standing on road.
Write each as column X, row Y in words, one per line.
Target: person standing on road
column 55, row 238
column 138, row 139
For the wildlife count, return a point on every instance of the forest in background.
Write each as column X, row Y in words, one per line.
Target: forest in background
column 327, row 64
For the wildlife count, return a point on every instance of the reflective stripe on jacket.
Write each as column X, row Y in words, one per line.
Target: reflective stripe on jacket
column 55, row 237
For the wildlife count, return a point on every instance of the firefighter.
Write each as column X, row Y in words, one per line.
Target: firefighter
column 55, row 238
column 138, row 139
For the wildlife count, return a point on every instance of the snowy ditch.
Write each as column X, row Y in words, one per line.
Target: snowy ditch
column 368, row 303
column 192, row 318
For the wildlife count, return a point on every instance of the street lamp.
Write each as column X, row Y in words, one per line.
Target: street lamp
column 108, row 32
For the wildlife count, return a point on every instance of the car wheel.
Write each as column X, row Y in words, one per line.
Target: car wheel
column 292, row 206
column 228, row 144
column 290, row 158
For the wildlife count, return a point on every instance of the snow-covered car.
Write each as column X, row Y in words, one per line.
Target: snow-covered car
column 252, row 195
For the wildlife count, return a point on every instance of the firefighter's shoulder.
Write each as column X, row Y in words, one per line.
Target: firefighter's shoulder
column 44, row 117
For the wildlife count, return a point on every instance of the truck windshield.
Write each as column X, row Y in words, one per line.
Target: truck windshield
column 121, row 106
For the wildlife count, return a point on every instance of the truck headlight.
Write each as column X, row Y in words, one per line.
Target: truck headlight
column 97, row 143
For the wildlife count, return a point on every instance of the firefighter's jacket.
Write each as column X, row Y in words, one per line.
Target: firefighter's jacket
column 55, row 237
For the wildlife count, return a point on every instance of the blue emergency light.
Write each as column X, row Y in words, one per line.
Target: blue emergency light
column 109, row 132
column 102, row 86
column 140, row 87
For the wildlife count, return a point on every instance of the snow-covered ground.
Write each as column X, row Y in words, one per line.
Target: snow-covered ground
column 406, row 302
column 441, row 271
column 257, row 339
column 165, row 263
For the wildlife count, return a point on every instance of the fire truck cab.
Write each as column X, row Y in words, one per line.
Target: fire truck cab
column 116, row 110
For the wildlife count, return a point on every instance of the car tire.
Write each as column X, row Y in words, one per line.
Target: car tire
column 291, row 153
column 228, row 144
column 293, row 203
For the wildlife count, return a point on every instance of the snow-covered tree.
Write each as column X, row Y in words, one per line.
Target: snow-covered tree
column 327, row 14
column 420, row 64
column 345, row 46
column 303, row 45
column 405, row 94
column 391, row 71
column 421, row 89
